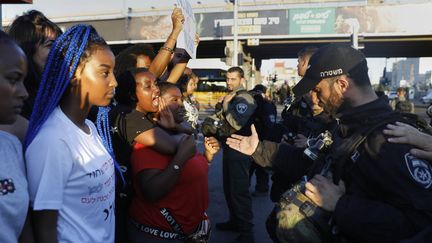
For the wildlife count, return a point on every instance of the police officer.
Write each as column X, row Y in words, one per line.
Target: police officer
column 265, row 123
column 286, row 174
column 294, row 116
column 381, row 192
column 238, row 108
column 401, row 103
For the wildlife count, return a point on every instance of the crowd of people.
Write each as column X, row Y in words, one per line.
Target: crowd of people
column 101, row 148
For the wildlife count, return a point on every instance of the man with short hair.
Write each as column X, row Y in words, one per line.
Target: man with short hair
column 376, row 191
column 239, row 107
column 293, row 116
column 401, row 103
column 303, row 59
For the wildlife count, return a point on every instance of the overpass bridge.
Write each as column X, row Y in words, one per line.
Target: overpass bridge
column 267, row 28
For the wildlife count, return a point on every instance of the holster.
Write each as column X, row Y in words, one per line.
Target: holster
column 299, row 209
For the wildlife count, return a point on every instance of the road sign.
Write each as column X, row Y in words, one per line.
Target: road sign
column 253, row 42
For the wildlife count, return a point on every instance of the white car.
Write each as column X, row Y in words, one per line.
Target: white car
column 427, row 99
column 392, row 95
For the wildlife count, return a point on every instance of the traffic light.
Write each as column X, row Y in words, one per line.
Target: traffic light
column 385, row 82
column 274, row 79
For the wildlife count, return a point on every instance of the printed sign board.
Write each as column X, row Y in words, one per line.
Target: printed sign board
column 263, row 22
column 186, row 39
column 311, row 21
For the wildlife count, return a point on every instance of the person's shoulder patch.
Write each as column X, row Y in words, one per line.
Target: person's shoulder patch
column 420, row 170
column 241, row 108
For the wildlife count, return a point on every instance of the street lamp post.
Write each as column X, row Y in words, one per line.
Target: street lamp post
column 1, row 18
column 235, row 58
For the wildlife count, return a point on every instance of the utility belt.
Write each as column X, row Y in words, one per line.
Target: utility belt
column 297, row 213
column 200, row 235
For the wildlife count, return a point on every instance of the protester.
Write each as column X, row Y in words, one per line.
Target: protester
column 69, row 167
column 137, row 117
column 188, row 85
column 14, row 203
column 172, row 96
column 134, row 123
column 35, row 34
column 171, row 189
column 135, row 56
column 142, row 55
column 373, row 193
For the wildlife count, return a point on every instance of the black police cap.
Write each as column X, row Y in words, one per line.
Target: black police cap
column 329, row 61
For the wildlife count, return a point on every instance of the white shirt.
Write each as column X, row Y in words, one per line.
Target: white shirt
column 192, row 112
column 13, row 189
column 71, row 171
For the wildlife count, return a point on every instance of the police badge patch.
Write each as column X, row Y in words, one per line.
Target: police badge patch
column 241, row 108
column 420, row 170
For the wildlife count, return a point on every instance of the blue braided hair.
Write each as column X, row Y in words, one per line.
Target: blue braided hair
column 71, row 49
column 62, row 62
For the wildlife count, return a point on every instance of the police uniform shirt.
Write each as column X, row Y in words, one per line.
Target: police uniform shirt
column 239, row 110
column 388, row 190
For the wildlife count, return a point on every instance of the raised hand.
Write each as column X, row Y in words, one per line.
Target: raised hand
column 177, row 19
column 165, row 117
column 243, row 144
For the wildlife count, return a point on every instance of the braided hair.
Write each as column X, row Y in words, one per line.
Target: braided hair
column 71, row 49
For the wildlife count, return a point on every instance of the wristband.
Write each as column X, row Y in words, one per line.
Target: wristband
column 176, row 167
column 167, row 49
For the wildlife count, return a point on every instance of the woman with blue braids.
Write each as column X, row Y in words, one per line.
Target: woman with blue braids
column 70, row 170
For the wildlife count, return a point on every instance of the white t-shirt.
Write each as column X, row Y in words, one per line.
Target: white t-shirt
column 71, row 171
column 14, row 198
